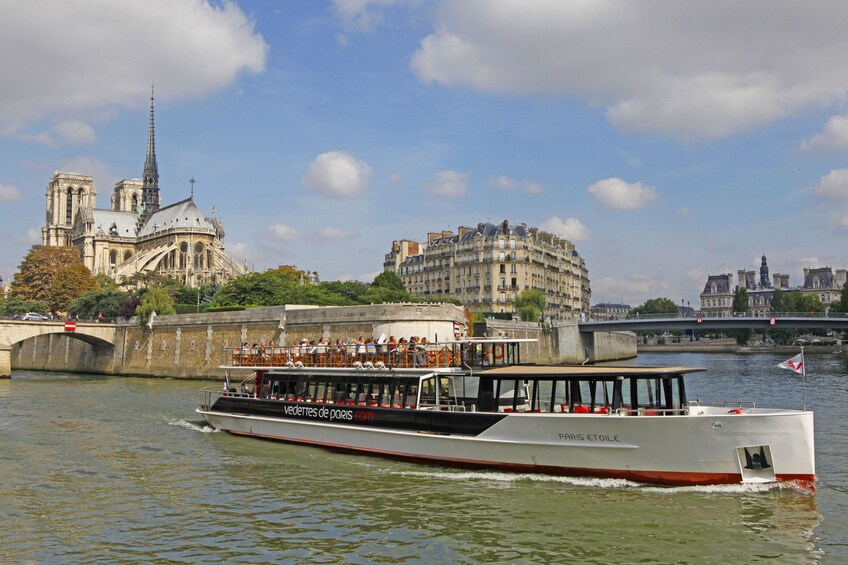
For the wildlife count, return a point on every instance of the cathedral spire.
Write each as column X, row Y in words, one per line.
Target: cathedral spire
column 150, row 189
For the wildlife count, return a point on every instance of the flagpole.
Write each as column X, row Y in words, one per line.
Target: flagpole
column 804, row 377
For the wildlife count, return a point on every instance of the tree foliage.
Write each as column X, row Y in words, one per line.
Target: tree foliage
column 92, row 304
column 39, row 269
column 291, row 286
column 796, row 302
column 156, row 299
column 13, row 306
column 656, row 306
column 741, row 303
column 71, row 282
column 530, row 304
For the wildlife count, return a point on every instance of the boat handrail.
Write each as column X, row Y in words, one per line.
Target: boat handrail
column 432, row 355
column 740, row 404
column 642, row 411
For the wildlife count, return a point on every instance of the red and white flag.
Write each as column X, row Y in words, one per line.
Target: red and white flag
column 795, row 364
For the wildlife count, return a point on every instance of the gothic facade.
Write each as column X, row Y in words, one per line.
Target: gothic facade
column 137, row 234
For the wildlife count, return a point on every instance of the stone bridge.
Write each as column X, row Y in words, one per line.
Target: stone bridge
column 15, row 331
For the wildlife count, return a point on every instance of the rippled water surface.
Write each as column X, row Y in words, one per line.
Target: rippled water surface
column 98, row 469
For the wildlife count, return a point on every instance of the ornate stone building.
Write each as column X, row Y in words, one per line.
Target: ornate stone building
column 488, row 266
column 718, row 293
column 136, row 234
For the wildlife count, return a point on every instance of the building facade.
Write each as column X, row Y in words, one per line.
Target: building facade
column 719, row 291
column 136, row 234
column 487, row 266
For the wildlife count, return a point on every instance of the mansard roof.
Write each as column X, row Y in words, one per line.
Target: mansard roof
column 721, row 282
column 124, row 222
column 180, row 215
column 824, row 274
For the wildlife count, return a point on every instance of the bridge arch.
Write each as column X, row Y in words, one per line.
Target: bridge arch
column 14, row 336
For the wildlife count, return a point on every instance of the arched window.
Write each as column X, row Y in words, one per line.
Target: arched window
column 127, row 255
column 135, row 203
column 113, row 257
column 80, row 198
column 183, row 252
column 69, row 206
column 198, row 256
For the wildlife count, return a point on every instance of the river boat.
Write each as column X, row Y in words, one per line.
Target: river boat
column 474, row 404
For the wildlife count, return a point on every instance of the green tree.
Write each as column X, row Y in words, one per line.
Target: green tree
column 740, row 301
column 92, row 304
column 656, row 306
column 841, row 305
column 38, row 271
column 741, row 305
column 530, row 304
column 389, row 280
column 70, row 283
column 13, row 306
column 156, row 299
column 105, row 282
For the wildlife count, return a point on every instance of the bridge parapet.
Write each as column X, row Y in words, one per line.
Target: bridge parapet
column 15, row 331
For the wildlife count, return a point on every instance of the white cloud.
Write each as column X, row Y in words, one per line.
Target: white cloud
column 833, row 136
column 102, row 173
column 10, row 193
column 337, row 173
column 32, row 237
column 616, row 194
column 841, row 222
column 449, row 183
column 109, row 57
column 74, row 132
column 833, row 185
column 533, row 188
column 571, row 229
column 687, row 68
column 395, row 178
column 503, row 182
column 281, row 232
column 331, row 232
column 632, row 290
column 363, row 15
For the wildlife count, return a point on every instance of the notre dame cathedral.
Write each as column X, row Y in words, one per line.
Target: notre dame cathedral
column 137, row 234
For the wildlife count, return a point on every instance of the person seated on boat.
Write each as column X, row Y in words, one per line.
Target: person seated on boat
column 391, row 347
column 421, row 357
column 244, row 390
column 312, row 351
column 361, row 349
column 322, row 349
column 410, row 351
column 371, row 349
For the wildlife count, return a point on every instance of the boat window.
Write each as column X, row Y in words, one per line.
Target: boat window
column 428, row 391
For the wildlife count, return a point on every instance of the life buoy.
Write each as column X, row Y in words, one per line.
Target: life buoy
column 499, row 351
column 735, row 411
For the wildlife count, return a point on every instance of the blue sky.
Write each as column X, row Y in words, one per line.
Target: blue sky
column 669, row 141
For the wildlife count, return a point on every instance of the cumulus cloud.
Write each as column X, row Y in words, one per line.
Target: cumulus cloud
column 840, row 221
column 337, row 173
column 103, row 174
column 533, row 188
column 616, row 194
column 833, row 185
column 362, row 15
column 689, row 68
column 331, row 232
column 109, row 57
column 32, row 237
column 10, row 193
column 571, row 229
column 74, row 132
column 450, row 184
column 833, row 136
column 504, row 183
column 281, row 232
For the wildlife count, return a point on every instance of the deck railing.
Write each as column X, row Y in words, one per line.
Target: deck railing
column 433, row 355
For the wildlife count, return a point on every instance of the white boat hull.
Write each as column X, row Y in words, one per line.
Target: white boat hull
column 704, row 447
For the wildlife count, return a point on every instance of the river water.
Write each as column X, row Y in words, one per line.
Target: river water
column 103, row 469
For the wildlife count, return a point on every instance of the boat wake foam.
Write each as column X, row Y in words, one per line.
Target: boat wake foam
column 197, row 427
column 594, row 482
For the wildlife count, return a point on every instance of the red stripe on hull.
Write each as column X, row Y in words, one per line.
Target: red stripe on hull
column 806, row 483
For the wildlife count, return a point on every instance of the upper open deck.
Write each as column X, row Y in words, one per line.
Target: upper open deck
column 468, row 354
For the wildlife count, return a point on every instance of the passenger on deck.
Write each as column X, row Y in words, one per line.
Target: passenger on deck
column 421, row 357
column 361, row 349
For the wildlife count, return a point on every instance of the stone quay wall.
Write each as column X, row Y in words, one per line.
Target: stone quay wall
column 191, row 345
